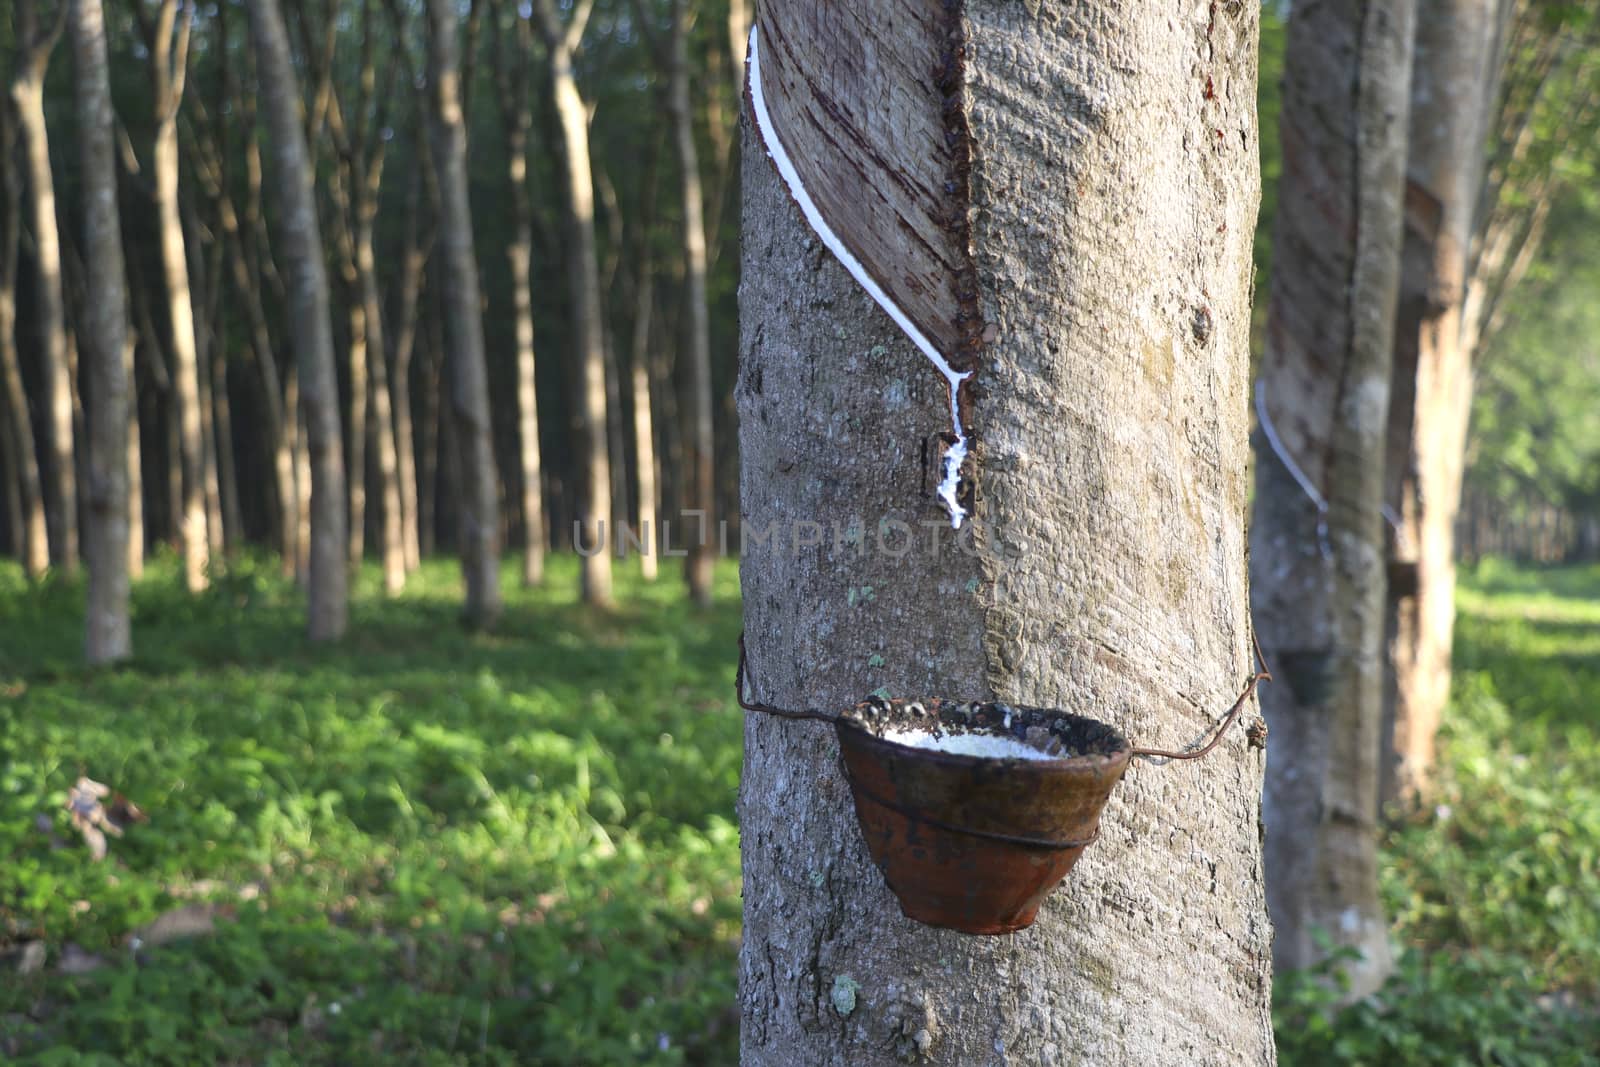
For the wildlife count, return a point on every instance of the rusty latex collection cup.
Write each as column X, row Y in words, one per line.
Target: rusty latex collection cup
column 974, row 812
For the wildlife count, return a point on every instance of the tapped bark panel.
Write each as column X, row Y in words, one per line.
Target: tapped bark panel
column 865, row 101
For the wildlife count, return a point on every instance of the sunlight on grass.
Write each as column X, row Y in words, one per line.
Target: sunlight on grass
column 424, row 845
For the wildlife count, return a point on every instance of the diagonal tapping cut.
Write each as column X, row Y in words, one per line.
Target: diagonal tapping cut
column 892, row 303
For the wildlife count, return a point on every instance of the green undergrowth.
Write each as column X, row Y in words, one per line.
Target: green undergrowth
column 420, row 846
column 1493, row 888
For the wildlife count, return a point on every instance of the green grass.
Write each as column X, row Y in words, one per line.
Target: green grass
column 1494, row 889
column 427, row 846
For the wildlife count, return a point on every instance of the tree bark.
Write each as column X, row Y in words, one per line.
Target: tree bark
column 594, row 525
column 108, row 636
column 311, row 331
column 1317, row 550
column 1106, row 571
column 469, row 394
column 27, row 94
column 34, row 549
column 1432, row 388
column 701, row 476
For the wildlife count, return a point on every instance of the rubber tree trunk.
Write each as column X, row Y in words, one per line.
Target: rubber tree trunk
column 16, row 531
column 310, row 329
column 383, row 432
column 469, row 394
column 644, row 444
column 414, row 259
column 1092, row 269
column 1432, row 391
column 238, row 237
column 135, row 468
column 168, row 64
column 59, row 472
column 520, row 255
column 513, row 52
column 300, row 560
column 203, row 300
column 34, row 550
column 1317, row 549
column 277, row 428
column 227, row 466
column 108, row 636
column 356, row 454
column 701, row 478
column 616, row 444
column 429, row 507
column 594, row 525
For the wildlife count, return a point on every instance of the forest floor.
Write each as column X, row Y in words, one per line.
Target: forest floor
column 426, row 846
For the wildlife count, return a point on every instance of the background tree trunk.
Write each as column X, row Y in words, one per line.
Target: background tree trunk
column 135, row 466
column 360, row 388
column 414, row 258
column 383, row 432
column 301, row 556
column 203, row 297
column 168, row 41
column 700, row 476
column 434, row 423
column 244, row 276
column 583, row 272
column 513, row 52
column 1317, row 551
column 644, row 445
column 227, row 468
column 469, row 392
column 148, row 354
column 16, row 530
column 108, row 636
column 1107, row 572
column 310, row 328
column 1432, row 391
column 27, row 94
column 34, row 550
